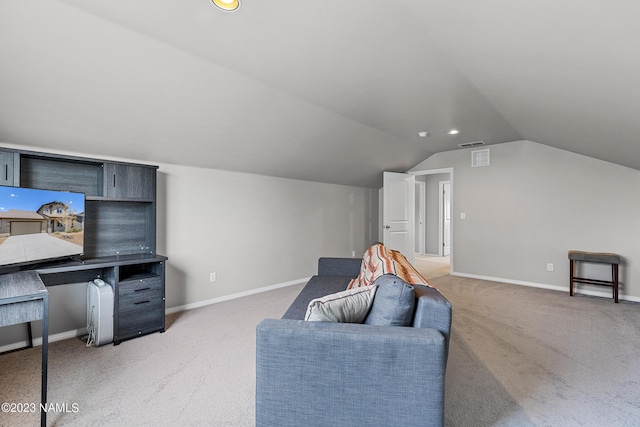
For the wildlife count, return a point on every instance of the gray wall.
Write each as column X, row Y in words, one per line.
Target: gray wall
column 253, row 231
column 532, row 205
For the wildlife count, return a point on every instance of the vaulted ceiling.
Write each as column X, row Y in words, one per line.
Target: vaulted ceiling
column 328, row 91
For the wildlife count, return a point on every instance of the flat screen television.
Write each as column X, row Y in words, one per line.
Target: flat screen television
column 40, row 225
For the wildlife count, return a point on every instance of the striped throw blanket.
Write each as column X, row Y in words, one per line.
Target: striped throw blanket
column 379, row 260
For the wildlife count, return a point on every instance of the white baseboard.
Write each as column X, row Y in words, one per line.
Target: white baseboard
column 545, row 286
column 82, row 331
column 234, row 296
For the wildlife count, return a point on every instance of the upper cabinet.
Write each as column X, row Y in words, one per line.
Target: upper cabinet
column 7, row 168
column 49, row 172
column 133, row 182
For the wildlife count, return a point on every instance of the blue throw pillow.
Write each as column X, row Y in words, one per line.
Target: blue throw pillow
column 393, row 303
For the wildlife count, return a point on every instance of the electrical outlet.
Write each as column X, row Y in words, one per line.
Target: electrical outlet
column 549, row 267
column 212, row 277
column 353, row 254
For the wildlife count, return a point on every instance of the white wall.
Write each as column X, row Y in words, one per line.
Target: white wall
column 532, row 205
column 254, row 231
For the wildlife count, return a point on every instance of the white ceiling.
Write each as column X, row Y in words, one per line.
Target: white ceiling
column 325, row 91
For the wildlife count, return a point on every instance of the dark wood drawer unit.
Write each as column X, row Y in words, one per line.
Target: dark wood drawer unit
column 149, row 287
column 140, row 301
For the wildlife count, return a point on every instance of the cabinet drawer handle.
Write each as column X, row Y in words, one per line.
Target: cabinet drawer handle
column 141, row 289
column 114, row 180
column 6, row 172
column 142, row 302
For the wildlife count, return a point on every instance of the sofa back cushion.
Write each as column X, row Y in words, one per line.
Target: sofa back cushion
column 328, row 266
column 393, row 304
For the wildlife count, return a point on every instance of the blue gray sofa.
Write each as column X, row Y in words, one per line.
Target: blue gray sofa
column 349, row 374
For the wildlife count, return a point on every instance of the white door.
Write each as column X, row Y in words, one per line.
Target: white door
column 398, row 212
column 445, row 215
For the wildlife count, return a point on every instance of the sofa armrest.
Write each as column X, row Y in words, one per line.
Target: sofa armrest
column 320, row 374
column 339, row 266
column 433, row 310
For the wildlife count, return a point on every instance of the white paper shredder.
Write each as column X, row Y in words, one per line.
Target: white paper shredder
column 99, row 313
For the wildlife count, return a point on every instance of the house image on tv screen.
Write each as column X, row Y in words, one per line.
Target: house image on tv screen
column 49, row 218
column 59, row 219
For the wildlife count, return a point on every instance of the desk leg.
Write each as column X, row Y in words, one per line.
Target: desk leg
column 45, row 359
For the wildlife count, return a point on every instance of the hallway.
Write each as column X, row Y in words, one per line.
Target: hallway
column 432, row 266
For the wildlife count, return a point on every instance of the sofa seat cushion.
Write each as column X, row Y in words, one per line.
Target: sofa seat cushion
column 393, row 304
column 379, row 260
column 350, row 306
column 316, row 287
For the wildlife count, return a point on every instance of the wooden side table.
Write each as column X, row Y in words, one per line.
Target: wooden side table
column 24, row 298
column 596, row 257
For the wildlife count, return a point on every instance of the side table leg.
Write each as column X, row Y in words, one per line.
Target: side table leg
column 572, row 267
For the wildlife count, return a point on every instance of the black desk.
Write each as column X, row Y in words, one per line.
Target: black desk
column 24, row 298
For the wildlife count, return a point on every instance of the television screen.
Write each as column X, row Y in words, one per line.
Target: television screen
column 38, row 225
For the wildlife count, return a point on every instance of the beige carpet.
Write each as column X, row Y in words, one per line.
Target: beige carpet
column 519, row 356
column 523, row 356
column 200, row 372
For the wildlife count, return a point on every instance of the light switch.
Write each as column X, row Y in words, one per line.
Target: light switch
column 463, row 215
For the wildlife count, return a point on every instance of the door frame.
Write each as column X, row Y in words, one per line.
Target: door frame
column 421, row 217
column 450, row 172
column 441, row 185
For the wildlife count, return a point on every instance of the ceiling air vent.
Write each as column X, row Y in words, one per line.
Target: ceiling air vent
column 470, row 144
column 480, row 158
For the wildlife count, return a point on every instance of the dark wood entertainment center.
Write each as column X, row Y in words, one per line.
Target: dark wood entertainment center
column 119, row 231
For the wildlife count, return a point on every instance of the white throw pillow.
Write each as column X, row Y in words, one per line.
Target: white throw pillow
column 350, row 306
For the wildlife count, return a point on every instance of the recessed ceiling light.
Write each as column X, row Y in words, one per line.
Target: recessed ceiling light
column 423, row 134
column 229, row 5
column 453, row 132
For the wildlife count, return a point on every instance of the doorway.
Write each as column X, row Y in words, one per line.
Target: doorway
column 439, row 252
column 432, row 266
